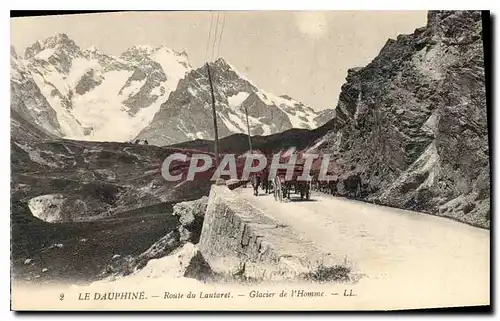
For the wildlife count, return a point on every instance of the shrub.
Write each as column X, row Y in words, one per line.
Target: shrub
column 323, row 273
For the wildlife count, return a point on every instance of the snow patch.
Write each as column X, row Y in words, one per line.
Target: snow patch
column 238, row 99
column 45, row 54
column 175, row 66
column 233, row 127
column 168, row 271
column 428, row 162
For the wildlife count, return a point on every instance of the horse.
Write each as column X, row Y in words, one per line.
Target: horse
column 255, row 180
column 304, row 188
column 287, row 188
column 324, row 186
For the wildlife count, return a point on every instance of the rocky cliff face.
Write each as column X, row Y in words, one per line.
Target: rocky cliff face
column 412, row 124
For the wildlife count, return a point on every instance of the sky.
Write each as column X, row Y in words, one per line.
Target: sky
column 304, row 54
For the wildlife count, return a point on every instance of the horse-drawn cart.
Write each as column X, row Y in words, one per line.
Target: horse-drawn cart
column 283, row 187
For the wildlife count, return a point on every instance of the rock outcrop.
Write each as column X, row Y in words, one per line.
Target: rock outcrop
column 189, row 222
column 191, row 215
column 412, row 124
column 181, row 266
column 28, row 105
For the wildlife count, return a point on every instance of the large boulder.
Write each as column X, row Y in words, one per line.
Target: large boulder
column 191, row 215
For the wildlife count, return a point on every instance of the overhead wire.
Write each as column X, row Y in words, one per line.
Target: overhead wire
column 215, row 37
column 221, row 33
column 209, row 36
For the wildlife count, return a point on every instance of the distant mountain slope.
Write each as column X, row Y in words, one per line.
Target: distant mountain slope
column 99, row 97
column 187, row 114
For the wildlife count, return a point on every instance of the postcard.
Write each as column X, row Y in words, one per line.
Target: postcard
column 250, row 160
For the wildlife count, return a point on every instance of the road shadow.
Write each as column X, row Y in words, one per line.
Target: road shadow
column 292, row 198
column 298, row 199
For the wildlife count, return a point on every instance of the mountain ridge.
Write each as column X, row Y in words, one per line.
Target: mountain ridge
column 101, row 97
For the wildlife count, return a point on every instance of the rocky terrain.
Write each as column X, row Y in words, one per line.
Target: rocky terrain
column 75, row 204
column 412, row 124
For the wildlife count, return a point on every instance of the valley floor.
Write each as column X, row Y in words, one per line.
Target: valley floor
column 86, row 248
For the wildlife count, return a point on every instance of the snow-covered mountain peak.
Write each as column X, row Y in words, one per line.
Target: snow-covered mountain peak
column 89, row 90
column 93, row 50
column 286, row 97
column 222, row 64
column 145, row 92
column 57, row 40
column 169, row 59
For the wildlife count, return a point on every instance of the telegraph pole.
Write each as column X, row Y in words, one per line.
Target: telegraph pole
column 248, row 129
column 214, row 114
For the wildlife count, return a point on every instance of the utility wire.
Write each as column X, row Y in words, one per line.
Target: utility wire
column 209, row 35
column 215, row 36
column 221, row 32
